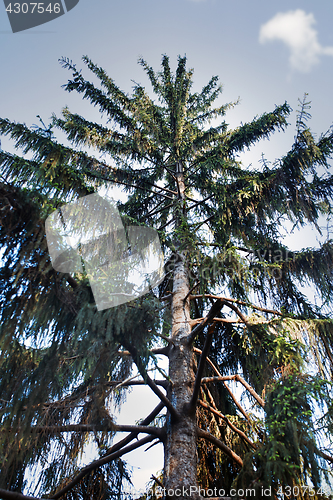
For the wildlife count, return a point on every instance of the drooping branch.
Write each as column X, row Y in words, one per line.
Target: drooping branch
column 202, row 362
column 217, row 442
column 98, row 463
column 227, row 421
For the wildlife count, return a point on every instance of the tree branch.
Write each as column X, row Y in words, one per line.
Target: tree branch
column 236, row 301
column 199, row 202
column 137, row 429
column 324, row 455
column 150, row 382
column 216, row 307
column 71, row 281
column 133, row 435
column 240, row 408
column 98, row 463
column 237, row 311
column 227, row 421
column 217, row 442
column 240, row 379
column 14, row 495
column 198, row 377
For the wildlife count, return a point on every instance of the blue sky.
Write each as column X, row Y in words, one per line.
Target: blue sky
column 264, row 52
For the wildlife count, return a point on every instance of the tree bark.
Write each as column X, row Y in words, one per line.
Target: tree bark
column 180, row 452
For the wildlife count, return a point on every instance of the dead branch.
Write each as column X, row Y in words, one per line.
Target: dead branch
column 216, row 320
column 137, row 429
column 157, row 481
column 324, row 455
column 240, row 379
column 191, row 290
column 216, row 307
column 236, row 301
column 237, row 311
column 14, row 495
column 201, row 366
column 133, row 435
column 227, row 421
column 102, row 461
column 199, row 202
column 71, row 281
column 240, row 408
column 217, row 442
column 127, row 383
column 151, row 383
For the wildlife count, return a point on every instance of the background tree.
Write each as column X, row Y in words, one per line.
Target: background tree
column 230, row 307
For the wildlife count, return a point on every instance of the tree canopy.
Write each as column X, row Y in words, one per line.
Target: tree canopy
column 229, row 315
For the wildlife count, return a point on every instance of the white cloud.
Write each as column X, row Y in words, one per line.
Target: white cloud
column 295, row 29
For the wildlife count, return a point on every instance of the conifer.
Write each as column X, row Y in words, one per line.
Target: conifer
column 246, row 401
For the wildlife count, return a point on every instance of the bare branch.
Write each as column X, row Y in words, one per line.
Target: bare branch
column 215, row 320
column 133, row 435
column 102, row 461
column 217, row 442
column 191, row 290
column 137, row 429
column 71, row 281
column 237, row 311
column 155, row 211
column 240, row 408
column 324, row 455
column 201, row 366
column 216, row 307
column 240, row 379
column 14, row 495
column 157, row 481
column 236, row 301
column 227, row 421
column 200, row 202
column 150, row 382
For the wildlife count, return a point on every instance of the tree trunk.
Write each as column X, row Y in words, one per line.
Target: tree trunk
column 180, row 457
column 180, row 453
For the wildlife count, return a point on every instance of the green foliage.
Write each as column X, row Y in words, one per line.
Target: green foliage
column 289, row 455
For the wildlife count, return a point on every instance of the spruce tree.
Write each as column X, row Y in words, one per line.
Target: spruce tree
column 230, row 314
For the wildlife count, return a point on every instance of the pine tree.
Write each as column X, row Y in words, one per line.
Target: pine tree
column 229, row 308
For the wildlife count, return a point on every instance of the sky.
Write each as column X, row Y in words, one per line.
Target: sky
column 265, row 53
